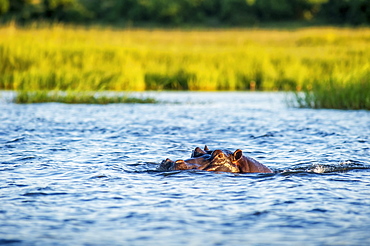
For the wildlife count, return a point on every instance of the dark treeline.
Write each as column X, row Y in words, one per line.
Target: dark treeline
column 186, row 12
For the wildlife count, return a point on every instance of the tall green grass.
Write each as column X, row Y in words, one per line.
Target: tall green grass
column 65, row 58
column 74, row 97
column 344, row 94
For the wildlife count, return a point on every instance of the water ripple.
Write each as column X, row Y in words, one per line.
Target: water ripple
column 87, row 174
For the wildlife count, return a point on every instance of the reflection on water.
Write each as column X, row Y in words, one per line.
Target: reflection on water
column 86, row 174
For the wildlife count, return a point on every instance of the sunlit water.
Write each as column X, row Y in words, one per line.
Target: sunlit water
column 86, row 174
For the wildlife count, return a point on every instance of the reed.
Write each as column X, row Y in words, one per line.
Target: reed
column 343, row 94
column 73, row 97
column 70, row 58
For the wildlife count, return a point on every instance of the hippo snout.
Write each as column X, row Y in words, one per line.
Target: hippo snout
column 166, row 165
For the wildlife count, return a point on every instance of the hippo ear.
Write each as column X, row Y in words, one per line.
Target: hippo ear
column 197, row 152
column 238, row 154
column 206, row 148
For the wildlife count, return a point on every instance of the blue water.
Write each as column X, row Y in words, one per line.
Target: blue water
column 86, row 174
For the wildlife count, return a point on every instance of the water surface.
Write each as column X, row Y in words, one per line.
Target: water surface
column 86, row 174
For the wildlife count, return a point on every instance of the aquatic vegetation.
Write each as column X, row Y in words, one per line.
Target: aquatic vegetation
column 73, row 97
column 346, row 93
column 70, row 58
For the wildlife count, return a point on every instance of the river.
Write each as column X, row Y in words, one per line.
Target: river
column 86, row 174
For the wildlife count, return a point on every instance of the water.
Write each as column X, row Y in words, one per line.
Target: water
column 86, row 174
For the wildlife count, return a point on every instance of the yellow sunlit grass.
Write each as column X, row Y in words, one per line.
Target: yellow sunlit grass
column 58, row 57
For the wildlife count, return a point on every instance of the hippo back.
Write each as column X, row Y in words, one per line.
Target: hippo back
column 249, row 165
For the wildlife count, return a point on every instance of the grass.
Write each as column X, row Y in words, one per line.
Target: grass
column 73, row 97
column 332, row 94
column 56, row 57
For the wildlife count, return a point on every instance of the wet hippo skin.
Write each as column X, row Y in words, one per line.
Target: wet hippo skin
column 218, row 160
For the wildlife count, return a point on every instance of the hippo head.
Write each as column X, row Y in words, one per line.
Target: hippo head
column 199, row 160
column 224, row 161
column 217, row 160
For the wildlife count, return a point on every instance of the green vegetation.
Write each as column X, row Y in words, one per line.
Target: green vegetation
column 56, row 62
column 322, row 61
column 342, row 94
column 186, row 12
column 73, row 97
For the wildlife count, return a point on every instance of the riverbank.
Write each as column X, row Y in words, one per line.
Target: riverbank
column 71, row 58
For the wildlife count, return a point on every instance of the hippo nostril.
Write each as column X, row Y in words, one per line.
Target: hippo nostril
column 166, row 161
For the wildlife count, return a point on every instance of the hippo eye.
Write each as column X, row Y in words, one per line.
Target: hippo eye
column 220, row 155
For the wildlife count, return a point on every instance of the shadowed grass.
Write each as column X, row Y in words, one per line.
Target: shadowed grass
column 73, row 97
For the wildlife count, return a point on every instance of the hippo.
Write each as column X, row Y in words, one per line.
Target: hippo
column 218, row 160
